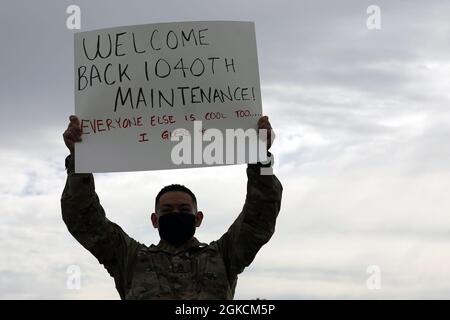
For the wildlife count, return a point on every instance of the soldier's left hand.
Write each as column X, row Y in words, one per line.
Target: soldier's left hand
column 263, row 123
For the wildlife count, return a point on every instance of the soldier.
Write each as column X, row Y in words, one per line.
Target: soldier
column 179, row 267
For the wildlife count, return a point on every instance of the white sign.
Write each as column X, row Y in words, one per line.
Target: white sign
column 135, row 85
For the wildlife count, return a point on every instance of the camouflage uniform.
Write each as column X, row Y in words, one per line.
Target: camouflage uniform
column 193, row 271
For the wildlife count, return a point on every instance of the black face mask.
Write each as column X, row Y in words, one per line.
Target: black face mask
column 176, row 228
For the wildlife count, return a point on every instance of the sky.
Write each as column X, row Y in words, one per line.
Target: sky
column 362, row 120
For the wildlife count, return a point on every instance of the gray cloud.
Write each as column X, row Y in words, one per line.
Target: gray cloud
column 362, row 126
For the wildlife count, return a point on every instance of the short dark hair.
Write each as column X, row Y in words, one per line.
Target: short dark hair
column 175, row 187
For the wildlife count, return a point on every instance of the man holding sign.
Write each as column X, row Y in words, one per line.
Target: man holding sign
column 179, row 267
column 140, row 89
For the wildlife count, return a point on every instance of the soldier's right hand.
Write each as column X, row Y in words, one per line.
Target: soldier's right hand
column 72, row 134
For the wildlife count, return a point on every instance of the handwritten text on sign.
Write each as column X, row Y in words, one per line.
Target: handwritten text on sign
column 135, row 85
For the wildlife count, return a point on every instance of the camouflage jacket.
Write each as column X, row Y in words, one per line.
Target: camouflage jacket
column 193, row 271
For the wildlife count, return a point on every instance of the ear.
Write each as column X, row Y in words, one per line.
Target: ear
column 198, row 218
column 155, row 220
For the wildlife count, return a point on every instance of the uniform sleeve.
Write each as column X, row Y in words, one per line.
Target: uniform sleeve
column 255, row 224
column 86, row 221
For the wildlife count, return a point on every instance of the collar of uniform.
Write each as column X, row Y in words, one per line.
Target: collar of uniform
column 167, row 247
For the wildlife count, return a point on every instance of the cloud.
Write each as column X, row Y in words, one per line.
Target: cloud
column 362, row 125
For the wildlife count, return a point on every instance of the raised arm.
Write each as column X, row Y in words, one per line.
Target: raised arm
column 255, row 224
column 85, row 217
